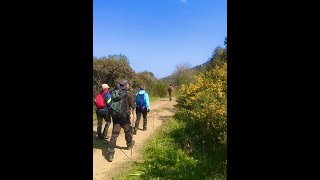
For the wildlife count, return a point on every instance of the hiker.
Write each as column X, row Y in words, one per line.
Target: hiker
column 170, row 90
column 102, row 102
column 122, row 106
column 143, row 107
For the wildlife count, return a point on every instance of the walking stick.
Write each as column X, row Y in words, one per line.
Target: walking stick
column 132, row 132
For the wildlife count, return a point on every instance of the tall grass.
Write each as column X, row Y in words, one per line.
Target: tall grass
column 167, row 157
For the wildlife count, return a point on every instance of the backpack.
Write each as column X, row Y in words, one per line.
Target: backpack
column 170, row 89
column 100, row 100
column 140, row 101
column 119, row 103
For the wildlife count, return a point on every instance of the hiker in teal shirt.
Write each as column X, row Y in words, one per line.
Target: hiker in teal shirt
column 143, row 107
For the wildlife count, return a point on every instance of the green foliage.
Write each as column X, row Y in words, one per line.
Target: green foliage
column 217, row 54
column 120, row 58
column 183, row 74
column 219, row 57
column 202, row 106
column 204, row 103
column 153, row 86
column 144, row 78
column 166, row 159
column 160, row 89
column 110, row 70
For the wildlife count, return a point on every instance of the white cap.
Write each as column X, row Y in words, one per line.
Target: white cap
column 105, row 86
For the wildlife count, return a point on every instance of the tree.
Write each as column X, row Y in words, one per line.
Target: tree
column 148, row 73
column 146, row 78
column 110, row 71
column 183, row 74
column 217, row 53
column 120, row 57
column 218, row 57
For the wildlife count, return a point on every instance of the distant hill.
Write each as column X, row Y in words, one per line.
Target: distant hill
column 166, row 78
column 201, row 65
column 198, row 67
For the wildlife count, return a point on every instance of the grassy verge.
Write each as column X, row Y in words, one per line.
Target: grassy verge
column 165, row 157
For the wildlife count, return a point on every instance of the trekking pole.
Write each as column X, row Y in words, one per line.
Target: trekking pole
column 125, row 154
column 132, row 132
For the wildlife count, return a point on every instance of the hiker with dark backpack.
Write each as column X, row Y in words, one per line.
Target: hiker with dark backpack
column 170, row 90
column 122, row 105
column 143, row 107
column 102, row 102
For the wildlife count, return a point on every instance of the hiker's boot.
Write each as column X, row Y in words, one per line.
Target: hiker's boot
column 110, row 155
column 144, row 124
column 135, row 131
column 130, row 145
column 100, row 136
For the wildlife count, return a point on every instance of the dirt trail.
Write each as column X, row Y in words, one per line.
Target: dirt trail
column 102, row 169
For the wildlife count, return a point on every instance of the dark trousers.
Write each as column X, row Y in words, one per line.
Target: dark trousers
column 103, row 114
column 170, row 96
column 144, row 114
column 117, row 125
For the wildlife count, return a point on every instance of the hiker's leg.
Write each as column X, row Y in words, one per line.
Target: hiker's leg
column 128, row 135
column 138, row 113
column 125, row 124
column 105, row 130
column 115, row 133
column 145, row 119
column 100, row 121
column 126, row 129
column 109, row 116
column 106, row 127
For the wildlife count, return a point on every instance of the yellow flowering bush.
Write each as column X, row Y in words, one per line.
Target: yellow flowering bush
column 203, row 105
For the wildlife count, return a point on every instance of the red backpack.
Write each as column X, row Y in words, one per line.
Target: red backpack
column 100, row 103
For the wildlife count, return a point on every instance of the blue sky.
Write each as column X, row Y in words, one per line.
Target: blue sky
column 156, row 35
